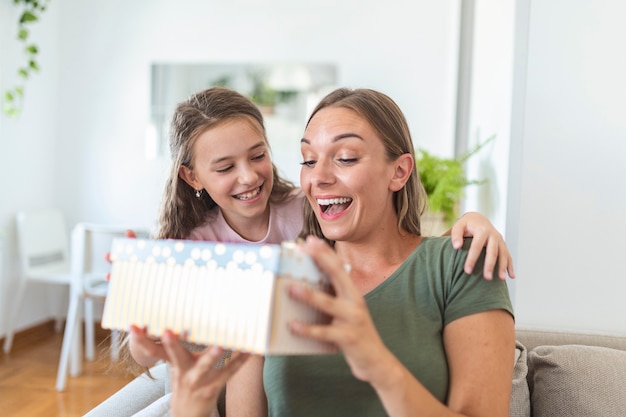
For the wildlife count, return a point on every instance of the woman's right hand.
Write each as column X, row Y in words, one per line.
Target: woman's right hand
column 196, row 381
column 351, row 327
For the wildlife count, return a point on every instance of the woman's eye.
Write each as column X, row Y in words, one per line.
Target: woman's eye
column 309, row 163
column 347, row 160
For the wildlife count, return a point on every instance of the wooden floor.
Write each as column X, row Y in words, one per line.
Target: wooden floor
column 28, row 376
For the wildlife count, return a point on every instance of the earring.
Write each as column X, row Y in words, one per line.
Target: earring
column 198, row 193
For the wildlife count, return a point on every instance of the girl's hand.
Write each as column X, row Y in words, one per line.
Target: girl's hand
column 351, row 327
column 196, row 382
column 107, row 255
column 484, row 235
column 145, row 350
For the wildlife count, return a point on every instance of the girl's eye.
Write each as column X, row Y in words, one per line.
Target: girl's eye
column 259, row 157
column 225, row 169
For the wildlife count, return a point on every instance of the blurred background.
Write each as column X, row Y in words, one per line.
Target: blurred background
column 546, row 78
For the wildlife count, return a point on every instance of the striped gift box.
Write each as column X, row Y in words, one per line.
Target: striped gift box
column 225, row 294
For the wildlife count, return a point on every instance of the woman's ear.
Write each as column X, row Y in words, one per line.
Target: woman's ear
column 403, row 167
column 189, row 177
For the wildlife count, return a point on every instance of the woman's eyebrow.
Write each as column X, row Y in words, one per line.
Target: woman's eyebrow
column 336, row 138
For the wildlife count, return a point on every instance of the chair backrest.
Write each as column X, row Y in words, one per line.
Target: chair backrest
column 43, row 241
column 90, row 242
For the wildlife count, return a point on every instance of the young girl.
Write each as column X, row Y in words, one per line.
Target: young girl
column 223, row 186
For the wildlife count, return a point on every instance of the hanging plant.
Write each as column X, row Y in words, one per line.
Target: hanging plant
column 31, row 12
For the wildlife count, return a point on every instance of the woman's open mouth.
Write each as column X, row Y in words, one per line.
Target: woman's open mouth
column 334, row 205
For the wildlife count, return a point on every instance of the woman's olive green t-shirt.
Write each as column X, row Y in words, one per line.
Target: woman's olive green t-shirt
column 410, row 310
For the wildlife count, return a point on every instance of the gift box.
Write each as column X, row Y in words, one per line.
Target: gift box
column 225, row 294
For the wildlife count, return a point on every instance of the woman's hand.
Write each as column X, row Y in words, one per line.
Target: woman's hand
column 484, row 235
column 351, row 327
column 196, row 381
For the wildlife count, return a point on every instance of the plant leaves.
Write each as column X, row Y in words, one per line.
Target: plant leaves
column 445, row 180
column 22, row 34
column 27, row 17
column 476, row 148
column 11, row 111
column 32, row 10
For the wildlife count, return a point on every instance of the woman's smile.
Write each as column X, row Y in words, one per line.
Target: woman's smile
column 333, row 206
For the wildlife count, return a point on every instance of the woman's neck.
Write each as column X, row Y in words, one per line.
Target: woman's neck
column 373, row 261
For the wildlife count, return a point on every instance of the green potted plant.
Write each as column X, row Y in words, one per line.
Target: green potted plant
column 445, row 180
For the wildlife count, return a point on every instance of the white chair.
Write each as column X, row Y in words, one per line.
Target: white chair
column 44, row 257
column 89, row 243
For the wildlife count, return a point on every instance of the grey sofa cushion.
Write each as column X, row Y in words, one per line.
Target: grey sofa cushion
column 520, row 396
column 159, row 408
column 134, row 396
column 531, row 338
column 577, row 380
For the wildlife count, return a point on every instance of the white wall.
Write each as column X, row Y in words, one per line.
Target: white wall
column 80, row 142
column 567, row 208
column 29, row 158
column 491, row 89
column 404, row 48
column 490, row 107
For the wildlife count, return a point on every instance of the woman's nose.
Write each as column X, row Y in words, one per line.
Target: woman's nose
column 321, row 174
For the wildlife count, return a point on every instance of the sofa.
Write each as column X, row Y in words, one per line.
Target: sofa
column 556, row 374
column 568, row 374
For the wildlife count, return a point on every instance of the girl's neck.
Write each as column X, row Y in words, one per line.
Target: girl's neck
column 253, row 229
